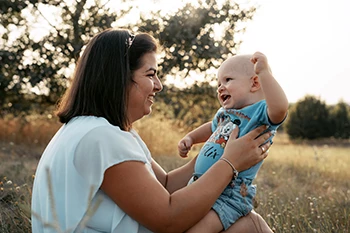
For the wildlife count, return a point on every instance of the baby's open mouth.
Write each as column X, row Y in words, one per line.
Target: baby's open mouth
column 225, row 97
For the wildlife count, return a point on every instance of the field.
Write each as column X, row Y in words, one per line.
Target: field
column 302, row 186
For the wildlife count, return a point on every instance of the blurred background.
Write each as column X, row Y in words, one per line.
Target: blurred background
column 306, row 43
column 304, row 186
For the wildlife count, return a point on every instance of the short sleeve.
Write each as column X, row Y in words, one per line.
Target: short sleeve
column 102, row 148
column 214, row 122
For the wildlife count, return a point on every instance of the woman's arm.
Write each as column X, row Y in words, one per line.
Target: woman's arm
column 135, row 190
column 175, row 179
column 251, row 223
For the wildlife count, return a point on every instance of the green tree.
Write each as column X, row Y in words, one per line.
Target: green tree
column 28, row 62
column 308, row 119
column 340, row 120
column 188, row 38
column 196, row 38
column 191, row 106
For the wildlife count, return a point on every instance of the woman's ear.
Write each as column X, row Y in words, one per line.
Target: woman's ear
column 255, row 83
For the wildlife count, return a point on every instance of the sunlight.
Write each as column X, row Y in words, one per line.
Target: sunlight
column 179, row 82
column 193, row 77
column 307, row 50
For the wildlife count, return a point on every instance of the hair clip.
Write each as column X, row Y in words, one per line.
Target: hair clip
column 129, row 41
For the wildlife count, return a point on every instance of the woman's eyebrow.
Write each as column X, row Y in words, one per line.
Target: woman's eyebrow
column 152, row 69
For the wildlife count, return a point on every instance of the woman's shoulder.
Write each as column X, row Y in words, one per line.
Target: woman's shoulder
column 112, row 140
column 91, row 126
column 88, row 121
column 102, row 131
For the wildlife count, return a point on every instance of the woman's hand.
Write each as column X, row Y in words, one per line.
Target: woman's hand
column 247, row 150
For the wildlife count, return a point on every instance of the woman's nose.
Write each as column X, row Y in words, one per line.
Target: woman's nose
column 158, row 86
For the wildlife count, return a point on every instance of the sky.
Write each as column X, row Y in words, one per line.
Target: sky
column 307, row 43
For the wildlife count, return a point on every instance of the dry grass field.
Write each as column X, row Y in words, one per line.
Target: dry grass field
column 302, row 186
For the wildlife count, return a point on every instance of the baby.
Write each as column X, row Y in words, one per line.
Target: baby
column 250, row 96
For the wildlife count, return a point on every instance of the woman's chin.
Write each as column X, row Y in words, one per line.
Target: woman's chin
column 147, row 112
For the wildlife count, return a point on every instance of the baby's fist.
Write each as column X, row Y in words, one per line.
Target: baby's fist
column 184, row 146
column 260, row 63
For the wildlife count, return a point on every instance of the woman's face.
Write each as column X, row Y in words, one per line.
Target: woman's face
column 142, row 91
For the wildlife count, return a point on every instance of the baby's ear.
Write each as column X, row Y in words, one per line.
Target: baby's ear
column 255, row 83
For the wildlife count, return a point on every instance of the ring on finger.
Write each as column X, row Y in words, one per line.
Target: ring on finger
column 262, row 149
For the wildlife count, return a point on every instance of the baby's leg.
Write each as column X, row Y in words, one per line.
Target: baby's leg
column 209, row 224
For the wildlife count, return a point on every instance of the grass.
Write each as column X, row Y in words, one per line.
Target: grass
column 302, row 186
column 304, row 191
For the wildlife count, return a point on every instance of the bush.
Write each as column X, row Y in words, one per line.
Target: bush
column 308, row 119
column 340, row 120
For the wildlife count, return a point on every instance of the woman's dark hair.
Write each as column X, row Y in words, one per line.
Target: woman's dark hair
column 103, row 75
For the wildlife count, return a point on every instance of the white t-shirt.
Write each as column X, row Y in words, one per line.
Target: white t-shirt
column 75, row 161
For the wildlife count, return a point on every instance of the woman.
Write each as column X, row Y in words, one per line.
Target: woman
column 97, row 175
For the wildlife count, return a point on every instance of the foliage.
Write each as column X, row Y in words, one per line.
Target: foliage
column 340, row 120
column 190, row 107
column 15, row 192
column 28, row 62
column 191, row 37
column 14, row 214
column 37, row 70
column 308, row 119
column 28, row 129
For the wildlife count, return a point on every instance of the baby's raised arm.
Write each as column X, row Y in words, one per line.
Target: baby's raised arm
column 276, row 99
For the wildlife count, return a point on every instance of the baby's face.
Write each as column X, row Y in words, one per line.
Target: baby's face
column 234, row 83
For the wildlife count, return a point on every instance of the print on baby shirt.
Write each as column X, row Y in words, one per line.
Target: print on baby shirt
column 215, row 145
column 223, row 123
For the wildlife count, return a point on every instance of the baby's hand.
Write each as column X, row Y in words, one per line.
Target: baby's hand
column 184, row 146
column 260, row 63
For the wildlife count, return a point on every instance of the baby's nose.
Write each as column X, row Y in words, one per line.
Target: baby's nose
column 220, row 88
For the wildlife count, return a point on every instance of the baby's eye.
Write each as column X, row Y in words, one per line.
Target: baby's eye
column 228, row 79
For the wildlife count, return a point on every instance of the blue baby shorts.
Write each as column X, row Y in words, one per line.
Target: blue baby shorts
column 235, row 201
